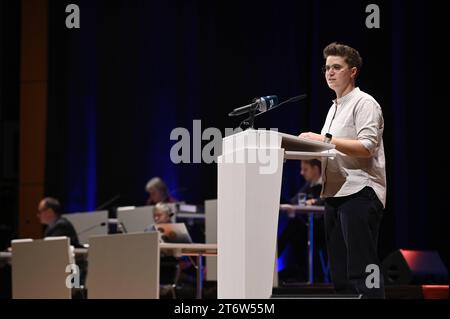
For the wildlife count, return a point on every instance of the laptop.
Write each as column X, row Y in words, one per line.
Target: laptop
column 173, row 233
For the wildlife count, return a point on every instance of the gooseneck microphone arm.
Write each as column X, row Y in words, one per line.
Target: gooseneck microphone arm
column 260, row 105
column 102, row 224
column 107, row 203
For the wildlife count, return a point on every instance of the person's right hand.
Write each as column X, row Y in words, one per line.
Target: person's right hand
column 312, row 136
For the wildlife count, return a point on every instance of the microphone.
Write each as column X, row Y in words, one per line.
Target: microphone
column 261, row 104
column 292, row 99
column 90, row 228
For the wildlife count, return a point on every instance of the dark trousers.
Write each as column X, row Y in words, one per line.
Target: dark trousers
column 352, row 225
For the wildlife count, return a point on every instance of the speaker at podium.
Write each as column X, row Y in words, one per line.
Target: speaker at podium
column 409, row 267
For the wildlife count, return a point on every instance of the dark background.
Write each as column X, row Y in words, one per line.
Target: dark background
column 137, row 69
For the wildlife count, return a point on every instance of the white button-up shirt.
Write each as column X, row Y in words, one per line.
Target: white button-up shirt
column 355, row 116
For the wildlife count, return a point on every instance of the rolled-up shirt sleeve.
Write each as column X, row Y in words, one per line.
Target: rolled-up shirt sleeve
column 369, row 124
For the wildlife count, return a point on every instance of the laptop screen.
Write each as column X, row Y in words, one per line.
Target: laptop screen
column 174, row 233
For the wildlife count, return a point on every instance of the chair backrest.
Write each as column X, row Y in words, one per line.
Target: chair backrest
column 39, row 269
column 123, row 266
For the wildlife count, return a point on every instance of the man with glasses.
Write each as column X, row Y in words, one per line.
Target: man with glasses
column 49, row 213
column 354, row 180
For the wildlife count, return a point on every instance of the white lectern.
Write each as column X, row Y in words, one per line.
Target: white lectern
column 249, row 185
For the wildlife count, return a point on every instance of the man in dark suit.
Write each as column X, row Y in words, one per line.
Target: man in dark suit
column 50, row 214
column 311, row 170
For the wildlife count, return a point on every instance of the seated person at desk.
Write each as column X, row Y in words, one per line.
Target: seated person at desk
column 157, row 191
column 169, row 266
column 172, row 269
column 49, row 214
column 170, row 232
column 295, row 232
column 162, row 214
column 311, row 170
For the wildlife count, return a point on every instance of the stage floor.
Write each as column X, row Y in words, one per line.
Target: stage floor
column 392, row 292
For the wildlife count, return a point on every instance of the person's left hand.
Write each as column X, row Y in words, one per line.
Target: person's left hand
column 311, row 201
column 312, row 136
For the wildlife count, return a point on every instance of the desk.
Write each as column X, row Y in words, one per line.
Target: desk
column 310, row 211
column 197, row 250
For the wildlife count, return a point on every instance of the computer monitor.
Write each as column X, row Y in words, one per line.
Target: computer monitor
column 88, row 224
column 137, row 219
